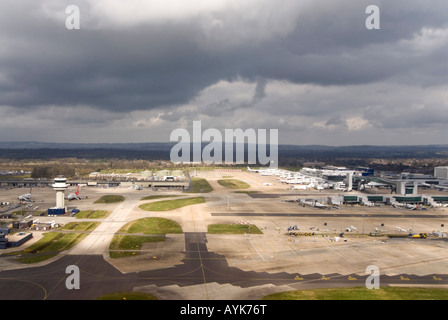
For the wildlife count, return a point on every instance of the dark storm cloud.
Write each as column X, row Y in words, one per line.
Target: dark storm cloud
column 122, row 63
column 145, row 66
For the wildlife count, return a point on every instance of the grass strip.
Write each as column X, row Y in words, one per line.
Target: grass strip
column 110, row 199
column 233, row 229
column 362, row 293
column 131, row 245
column 128, row 296
column 167, row 205
column 158, row 197
column 233, row 184
column 157, row 226
column 199, row 185
column 92, row 214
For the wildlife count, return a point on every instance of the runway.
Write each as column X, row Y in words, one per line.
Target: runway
column 199, row 267
column 325, row 215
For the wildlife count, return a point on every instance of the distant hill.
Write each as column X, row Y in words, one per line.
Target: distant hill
column 42, row 150
column 120, row 146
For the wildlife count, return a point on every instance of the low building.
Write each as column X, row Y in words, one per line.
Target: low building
column 41, row 226
column 441, row 172
column 22, row 224
column 14, row 240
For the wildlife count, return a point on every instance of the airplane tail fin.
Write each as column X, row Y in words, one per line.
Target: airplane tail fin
column 77, row 190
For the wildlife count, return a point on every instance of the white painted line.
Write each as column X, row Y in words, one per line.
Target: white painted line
column 256, row 250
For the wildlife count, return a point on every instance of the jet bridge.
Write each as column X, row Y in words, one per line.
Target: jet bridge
column 400, row 187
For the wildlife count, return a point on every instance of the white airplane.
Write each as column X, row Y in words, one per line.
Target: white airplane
column 351, row 228
column 400, row 229
column 299, row 187
column 74, row 196
column 306, row 203
column 411, row 206
column 321, row 205
column 25, row 197
column 296, row 181
column 252, row 170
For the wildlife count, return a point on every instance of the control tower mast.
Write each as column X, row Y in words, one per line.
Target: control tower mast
column 60, row 186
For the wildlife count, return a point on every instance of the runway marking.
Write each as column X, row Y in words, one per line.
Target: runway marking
column 256, row 250
column 29, row 281
column 200, row 256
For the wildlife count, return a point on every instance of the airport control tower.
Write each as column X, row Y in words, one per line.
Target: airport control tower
column 60, row 186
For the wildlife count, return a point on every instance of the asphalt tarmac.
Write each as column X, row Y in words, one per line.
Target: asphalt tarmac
column 200, row 266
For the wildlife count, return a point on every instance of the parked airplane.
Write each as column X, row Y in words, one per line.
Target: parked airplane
column 306, row 203
column 25, row 197
column 74, row 196
column 321, row 205
column 252, row 170
column 351, row 228
column 300, row 187
column 313, row 203
column 400, row 229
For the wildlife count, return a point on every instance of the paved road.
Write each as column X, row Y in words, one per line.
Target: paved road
column 325, row 215
column 98, row 241
column 97, row 277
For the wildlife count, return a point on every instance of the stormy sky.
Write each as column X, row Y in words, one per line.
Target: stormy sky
column 136, row 70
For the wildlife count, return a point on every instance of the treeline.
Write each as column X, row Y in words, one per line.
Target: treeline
column 77, row 168
column 52, row 171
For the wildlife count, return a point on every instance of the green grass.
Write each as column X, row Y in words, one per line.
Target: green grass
column 50, row 245
column 166, row 205
column 28, row 259
column 128, row 296
column 362, row 293
column 80, row 226
column 46, row 241
column 233, row 229
column 110, row 199
column 199, row 185
column 233, row 184
column 126, row 245
column 67, row 241
column 158, row 197
column 92, row 214
column 54, row 242
column 132, row 244
column 151, row 226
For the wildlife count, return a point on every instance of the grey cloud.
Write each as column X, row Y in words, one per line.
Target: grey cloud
column 163, row 65
column 148, row 66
